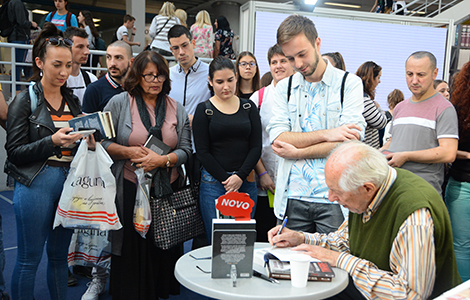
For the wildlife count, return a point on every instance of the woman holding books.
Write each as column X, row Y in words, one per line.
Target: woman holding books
column 139, row 269
column 227, row 136
column 39, row 156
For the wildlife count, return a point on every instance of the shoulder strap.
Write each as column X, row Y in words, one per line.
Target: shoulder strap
column 67, row 20
column 260, row 96
column 86, row 77
column 289, row 86
column 246, row 105
column 158, row 32
column 342, row 88
column 33, row 98
column 52, row 15
column 209, row 112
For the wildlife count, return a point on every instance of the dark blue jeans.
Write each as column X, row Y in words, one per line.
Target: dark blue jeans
column 2, row 259
column 35, row 208
column 211, row 189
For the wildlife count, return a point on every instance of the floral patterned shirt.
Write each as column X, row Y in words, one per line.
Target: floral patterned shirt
column 204, row 37
column 225, row 38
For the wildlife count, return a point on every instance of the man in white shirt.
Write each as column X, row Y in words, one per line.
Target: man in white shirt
column 122, row 32
column 190, row 76
column 79, row 79
column 189, row 79
column 266, row 169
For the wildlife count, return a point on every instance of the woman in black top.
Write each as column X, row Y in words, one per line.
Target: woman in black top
column 457, row 194
column 248, row 76
column 227, row 136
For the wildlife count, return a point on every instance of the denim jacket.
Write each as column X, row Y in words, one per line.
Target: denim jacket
column 333, row 116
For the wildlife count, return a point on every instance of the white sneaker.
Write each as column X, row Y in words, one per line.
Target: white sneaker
column 96, row 287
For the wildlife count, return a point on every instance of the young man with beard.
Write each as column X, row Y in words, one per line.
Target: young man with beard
column 307, row 125
column 118, row 59
column 79, row 79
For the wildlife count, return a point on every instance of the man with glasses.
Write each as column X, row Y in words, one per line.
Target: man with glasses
column 324, row 108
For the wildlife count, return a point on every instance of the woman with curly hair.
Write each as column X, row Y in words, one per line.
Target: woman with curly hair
column 457, row 195
column 370, row 74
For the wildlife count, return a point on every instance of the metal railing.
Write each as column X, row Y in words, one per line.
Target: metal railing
column 14, row 83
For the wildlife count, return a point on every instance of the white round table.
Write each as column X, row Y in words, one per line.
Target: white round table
column 250, row 288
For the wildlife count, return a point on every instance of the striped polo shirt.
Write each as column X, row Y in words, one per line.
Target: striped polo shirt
column 419, row 126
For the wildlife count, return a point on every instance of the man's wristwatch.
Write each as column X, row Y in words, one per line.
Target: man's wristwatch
column 168, row 162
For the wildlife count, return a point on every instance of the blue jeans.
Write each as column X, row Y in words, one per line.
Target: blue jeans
column 458, row 203
column 2, row 259
column 211, row 189
column 35, row 208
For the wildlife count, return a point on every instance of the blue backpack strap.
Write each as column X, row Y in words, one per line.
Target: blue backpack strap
column 33, row 98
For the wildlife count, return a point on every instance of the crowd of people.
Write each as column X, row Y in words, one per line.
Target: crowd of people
column 361, row 188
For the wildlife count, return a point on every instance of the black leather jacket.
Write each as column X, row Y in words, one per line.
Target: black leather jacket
column 29, row 142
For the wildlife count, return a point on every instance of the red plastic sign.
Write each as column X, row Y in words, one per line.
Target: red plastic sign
column 237, row 205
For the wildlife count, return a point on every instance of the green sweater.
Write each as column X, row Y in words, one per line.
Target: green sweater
column 373, row 240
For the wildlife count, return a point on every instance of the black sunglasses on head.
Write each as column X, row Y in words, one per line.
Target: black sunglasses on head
column 59, row 40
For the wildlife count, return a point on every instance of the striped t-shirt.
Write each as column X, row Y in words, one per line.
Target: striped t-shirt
column 419, row 126
column 160, row 41
column 60, row 118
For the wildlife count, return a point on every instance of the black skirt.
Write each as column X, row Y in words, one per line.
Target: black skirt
column 143, row 271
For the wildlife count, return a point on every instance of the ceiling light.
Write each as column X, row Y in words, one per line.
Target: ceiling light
column 97, row 25
column 310, row 2
column 40, row 12
column 343, row 5
column 96, row 20
column 418, row 12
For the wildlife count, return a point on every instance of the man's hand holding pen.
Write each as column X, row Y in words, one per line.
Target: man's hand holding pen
column 287, row 238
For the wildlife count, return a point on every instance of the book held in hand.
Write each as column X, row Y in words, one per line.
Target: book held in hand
column 101, row 121
column 157, row 146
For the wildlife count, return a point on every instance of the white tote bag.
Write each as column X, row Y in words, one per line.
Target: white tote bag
column 87, row 199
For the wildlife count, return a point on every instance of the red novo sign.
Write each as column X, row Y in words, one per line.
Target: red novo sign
column 237, row 205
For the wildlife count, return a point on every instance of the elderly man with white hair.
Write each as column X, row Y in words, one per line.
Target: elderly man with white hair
column 397, row 242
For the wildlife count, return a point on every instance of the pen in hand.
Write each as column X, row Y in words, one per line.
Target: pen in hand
column 284, row 222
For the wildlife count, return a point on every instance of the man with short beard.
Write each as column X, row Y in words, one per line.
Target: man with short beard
column 306, row 126
column 118, row 59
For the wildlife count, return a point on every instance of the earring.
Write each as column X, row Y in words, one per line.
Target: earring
column 40, row 73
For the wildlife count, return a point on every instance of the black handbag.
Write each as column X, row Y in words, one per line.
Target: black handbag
column 176, row 219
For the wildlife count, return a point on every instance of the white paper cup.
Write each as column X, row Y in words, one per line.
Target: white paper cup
column 299, row 265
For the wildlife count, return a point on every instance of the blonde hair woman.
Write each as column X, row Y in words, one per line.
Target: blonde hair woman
column 183, row 16
column 203, row 34
column 160, row 26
